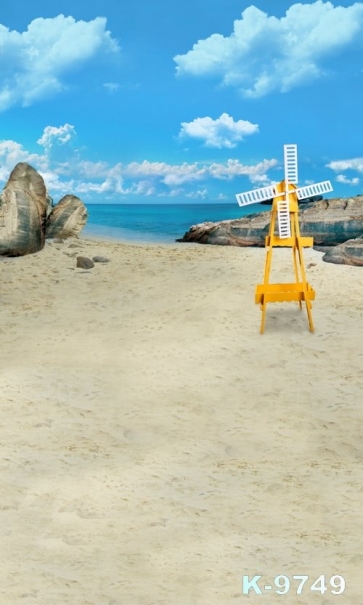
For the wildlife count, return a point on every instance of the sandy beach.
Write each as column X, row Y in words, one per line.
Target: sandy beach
column 155, row 448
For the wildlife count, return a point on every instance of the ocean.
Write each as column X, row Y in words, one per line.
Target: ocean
column 156, row 223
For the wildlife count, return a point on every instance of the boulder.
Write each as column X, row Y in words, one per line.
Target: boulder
column 83, row 262
column 348, row 253
column 67, row 218
column 28, row 217
column 329, row 222
column 23, row 209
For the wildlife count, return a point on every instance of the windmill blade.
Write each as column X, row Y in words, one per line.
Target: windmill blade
column 290, row 163
column 257, row 195
column 315, row 189
column 283, row 219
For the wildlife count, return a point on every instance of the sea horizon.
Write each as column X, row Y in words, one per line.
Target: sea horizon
column 157, row 223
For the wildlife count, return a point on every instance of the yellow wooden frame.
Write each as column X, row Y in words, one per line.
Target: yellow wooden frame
column 298, row 291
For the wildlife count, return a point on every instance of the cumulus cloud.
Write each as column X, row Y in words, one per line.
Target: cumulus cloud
column 222, row 132
column 34, row 63
column 354, row 164
column 265, row 54
column 12, row 152
column 233, row 168
column 56, row 136
column 168, row 174
column 341, row 178
column 86, row 178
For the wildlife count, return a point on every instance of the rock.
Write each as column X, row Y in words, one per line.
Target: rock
column 50, row 204
column 67, row 218
column 100, row 259
column 249, row 231
column 348, row 253
column 23, row 207
column 27, row 214
column 323, row 248
column 84, row 263
column 332, row 222
column 329, row 222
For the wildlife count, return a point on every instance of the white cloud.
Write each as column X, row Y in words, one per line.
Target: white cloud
column 86, row 178
column 56, row 136
column 169, row 174
column 341, row 178
column 33, row 64
column 354, row 164
column 233, row 168
column 222, row 132
column 264, row 53
column 92, row 170
column 12, row 152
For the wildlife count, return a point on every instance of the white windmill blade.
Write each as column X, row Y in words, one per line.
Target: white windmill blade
column 255, row 196
column 283, row 219
column 315, row 189
column 290, row 164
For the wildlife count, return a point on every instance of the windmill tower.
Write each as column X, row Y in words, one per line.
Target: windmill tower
column 285, row 212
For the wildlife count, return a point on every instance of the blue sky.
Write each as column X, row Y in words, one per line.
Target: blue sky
column 156, row 101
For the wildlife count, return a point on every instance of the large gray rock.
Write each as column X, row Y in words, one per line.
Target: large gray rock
column 67, row 218
column 349, row 253
column 23, row 208
column 329, row 222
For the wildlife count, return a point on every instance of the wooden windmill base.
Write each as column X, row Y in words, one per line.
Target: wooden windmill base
column 299, row 291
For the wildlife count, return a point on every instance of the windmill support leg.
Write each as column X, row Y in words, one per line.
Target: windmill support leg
column 266, row 280
column 296, row 271
column 263, row 319
column 303, row 276
column 268, row 265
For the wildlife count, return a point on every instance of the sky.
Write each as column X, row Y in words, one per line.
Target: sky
column 158, row 101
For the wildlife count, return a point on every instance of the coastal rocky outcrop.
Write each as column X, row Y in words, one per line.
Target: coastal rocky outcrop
column 67, row 218
column 330, row 222
column 27, row 217
column 348, row 253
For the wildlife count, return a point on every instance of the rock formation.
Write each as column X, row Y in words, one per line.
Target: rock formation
column 348, row 253
column 67, row 218
column 330, row 222
column 24, row 207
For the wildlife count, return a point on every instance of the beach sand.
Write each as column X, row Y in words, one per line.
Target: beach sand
column 155, row 448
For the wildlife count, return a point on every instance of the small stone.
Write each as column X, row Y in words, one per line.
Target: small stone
column 75, row 246
column 58, row 240
column 101, row 259
column 311, row 265
column 84, row 263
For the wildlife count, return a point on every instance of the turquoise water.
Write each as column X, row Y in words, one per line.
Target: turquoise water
column 157, row 223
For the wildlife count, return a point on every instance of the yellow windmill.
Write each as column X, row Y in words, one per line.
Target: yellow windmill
column 285, row 209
